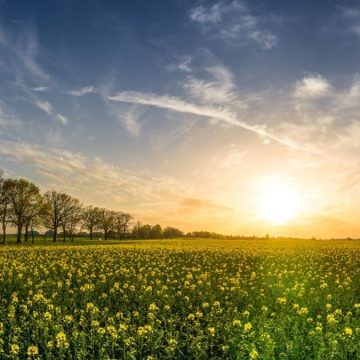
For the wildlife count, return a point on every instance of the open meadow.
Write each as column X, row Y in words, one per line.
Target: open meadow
column 189, row 299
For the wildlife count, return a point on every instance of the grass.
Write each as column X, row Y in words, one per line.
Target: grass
column 188, row 299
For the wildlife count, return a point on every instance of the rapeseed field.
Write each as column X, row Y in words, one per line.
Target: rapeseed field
column 181, row 299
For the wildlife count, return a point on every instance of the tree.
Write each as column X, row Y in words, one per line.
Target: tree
column 144, row 232
column 106, row 221
column 73, row 221
column 171, row 232
column 4, row 205
column 122, row 221
column 71, row 214
column 23, row 196
column 90, row 219
column 156, row 232
column 136, row 230
column 34, row 213
column 58, row 210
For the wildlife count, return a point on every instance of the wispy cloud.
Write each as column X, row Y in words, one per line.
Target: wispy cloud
column 48, row 109
column 82, row 91
column 220, row 89
column 352, row 17
column 234, row 22
column 312, row 86
column 130, row 120
column 184, row 64
column 96, row 181
column 62, row 118
column 179, row 105
column 41, row 89
column 45, row 106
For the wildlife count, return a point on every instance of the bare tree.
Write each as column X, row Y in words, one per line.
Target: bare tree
column 57, row 207
column 106, row 221
column 4, row 206
column 23, row 196
column 32, row 217
column 90, row 219
column 72, row 217
column 71, row 214
column 122, row 222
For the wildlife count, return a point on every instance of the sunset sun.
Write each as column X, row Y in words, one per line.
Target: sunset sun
column 280, row 204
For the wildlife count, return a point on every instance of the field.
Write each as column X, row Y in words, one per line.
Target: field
column 186, row 299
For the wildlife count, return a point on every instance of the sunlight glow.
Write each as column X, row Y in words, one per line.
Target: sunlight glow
column 279, row 204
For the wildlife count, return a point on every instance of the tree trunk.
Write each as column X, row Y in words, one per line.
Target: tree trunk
column 32, row 236
column 91, row 233
column 18, row 237
column 26, row 232
column 4, row 232
column 54, row 235
column 64, row 233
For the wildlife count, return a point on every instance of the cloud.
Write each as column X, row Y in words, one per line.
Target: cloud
column 155, row 198
column 352, row 17
column 63, row 119
column 179, row 105
column 8, row 121
column 48, row 109
column 311, row 87
column 219, row 90
column 190, row 205
column 82, row 91
column 232, row 21
column 41, row 89
column 129, row 119
column 182, row 65
column 45, row 106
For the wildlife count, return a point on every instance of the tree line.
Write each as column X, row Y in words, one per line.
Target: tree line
column 23, row 206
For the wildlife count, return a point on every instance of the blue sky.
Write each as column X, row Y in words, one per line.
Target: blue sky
column 183, row 112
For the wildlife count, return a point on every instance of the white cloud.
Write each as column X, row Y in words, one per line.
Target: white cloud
column 48, row 109
column 312, row 87
column 182, row 65
column 63, row 119
column 130, row 121
column 82, row 91
column 233, row 22
column 45, row 106
column 220, row 89
column 41, row 89
column 179, row 105
column 266, row 39
column 213, row 14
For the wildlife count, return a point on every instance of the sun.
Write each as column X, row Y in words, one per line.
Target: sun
column 278, row 204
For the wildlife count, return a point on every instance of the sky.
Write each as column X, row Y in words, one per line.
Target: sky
column 204, row 115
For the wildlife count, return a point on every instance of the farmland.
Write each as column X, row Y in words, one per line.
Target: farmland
column 189, row 299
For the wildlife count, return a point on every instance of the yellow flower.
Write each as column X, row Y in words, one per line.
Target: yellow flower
column 69, row 319
column 211, row 331
column 153, row 307
column 247, row 326
column 281, row 300
column 61, row 340
column 253, row 354
column 236, row 322
column 348, row 331
column 14, row 349
column 47, row 316
column 303, row 311
column 32, row 350
column 331, row 319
